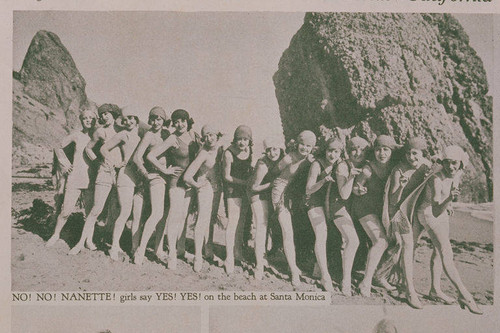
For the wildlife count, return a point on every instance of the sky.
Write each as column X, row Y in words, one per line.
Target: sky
column 218, row 66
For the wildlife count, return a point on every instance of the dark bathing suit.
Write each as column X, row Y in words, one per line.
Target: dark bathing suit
column 240, row 169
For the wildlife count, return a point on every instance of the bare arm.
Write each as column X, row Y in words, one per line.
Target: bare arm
column 66, row 165
column 90, row 146
column 345, row 179
column 193, row 168
column 115, row 141
column 160, row 149
column 259, row 174
column 226, row 170
column 398, row 182
column 360, row 181
column 139, row 153
column 439, row 204
column 285, row 161
column 313, row 185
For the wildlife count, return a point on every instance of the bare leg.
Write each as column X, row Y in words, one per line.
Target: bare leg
column 346, row 227
column 88, row 200
column 407, row 257
column 70, row 198
column 175, row 222
column 439, row 233
column 136, row 221
column 234, row 210
column 100, row 195
column 157, row 195
column 113, row 210
column 209, row 251
column 205, row 197
column 285, row 220
column 318, row 222
column 241, row 229
column 126, row 199
column 181, row 238
column 373, row 227
column 260, row 211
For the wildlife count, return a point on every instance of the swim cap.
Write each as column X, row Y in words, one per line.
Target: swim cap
column 416, row 143
column 334, row 143
column 131, row 111
column 111, row 108
column 272, row 142
column 356, row 142
column 158, row 112
column 307, row 138
column 455, row 153
column 385, row 141
column 209, row 129
column 243, row 132
column 179, row 114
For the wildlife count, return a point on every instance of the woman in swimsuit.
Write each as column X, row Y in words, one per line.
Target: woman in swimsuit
column 338, row 195
column 76, row 172
column 127, row 177
column 265, row 171
column 432, row 212
column 320, row 175
column 236, row 169
column 297, row 158
column 106, row 174
column 155, row 135
column 180, row 148
column 367, row 206
column 206, row 169
column 405, row 178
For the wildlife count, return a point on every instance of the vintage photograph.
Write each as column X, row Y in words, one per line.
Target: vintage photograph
column 349, row 153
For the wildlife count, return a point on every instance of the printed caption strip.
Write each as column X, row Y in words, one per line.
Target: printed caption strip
column 175, row 298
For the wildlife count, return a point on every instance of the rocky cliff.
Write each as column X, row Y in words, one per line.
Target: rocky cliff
column 397, row 74
column 48, row 92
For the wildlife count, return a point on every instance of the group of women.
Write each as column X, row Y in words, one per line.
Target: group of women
column 391, row 192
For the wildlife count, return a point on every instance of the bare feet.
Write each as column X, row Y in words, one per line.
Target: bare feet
column 90, row 245
column 346, row 288
column 414, row 301
column 172, row 263
column 161, row 255
column 327, row 284
column 296, row 278
column 365, row 290
column 384, row 284
column 138, row 257
column 75, row 250
column 198, row 264
column 470, row 304
column 229, row 266
column 439, row 296
column 259, row 273
column 114, row 254
column 52, row 241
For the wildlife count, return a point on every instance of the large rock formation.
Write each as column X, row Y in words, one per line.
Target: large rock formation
column 397, row 74
column 50, row 76
column 48, row 92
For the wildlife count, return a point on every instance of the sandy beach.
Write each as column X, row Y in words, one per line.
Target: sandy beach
column 38, row 268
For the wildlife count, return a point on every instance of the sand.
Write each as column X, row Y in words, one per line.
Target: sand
column 38, row 268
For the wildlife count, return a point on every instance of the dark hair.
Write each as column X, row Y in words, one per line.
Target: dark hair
column 182, row 114
column 111, row 108
column 397, row 155
column 136, row 119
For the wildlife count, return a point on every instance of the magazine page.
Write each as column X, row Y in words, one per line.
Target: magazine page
column 215, row 166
